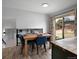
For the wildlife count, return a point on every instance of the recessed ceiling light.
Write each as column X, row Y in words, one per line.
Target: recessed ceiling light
column 44, row 5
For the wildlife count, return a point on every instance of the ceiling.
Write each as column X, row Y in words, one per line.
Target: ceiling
column 34, row 5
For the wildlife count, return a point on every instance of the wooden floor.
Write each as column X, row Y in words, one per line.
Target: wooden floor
column 14, row 53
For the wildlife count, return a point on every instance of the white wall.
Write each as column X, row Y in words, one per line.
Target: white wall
column 26, row 19
column 8, row 23
column 32, row 20
column 14, row 18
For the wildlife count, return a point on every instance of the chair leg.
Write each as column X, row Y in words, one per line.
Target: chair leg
column 22, row 47
column 45, row 47
column 32, row 47
column 37, row 50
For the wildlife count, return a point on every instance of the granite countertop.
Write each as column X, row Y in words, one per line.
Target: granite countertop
column 69, row 44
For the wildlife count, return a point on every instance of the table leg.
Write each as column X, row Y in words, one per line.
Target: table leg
column 26, row 51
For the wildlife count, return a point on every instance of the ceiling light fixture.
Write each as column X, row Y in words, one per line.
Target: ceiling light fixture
column 44, row 5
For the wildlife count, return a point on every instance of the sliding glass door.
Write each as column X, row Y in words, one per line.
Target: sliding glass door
column 69, row 25
column 59, row 28
column 65, row 26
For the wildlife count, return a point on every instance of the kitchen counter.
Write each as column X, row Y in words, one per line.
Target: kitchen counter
column 69, row 44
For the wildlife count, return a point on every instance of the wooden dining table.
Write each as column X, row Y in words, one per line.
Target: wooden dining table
column 34, row 36
column 31, row 37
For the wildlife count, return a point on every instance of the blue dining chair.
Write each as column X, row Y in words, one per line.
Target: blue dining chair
column 41, row 40
column 31, row 43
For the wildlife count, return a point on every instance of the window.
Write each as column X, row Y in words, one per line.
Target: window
column 65, row 26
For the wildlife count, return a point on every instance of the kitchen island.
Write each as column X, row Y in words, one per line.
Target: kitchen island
column 64, row 48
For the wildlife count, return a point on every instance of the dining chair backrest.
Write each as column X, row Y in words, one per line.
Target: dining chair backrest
column 21, row 38
column 41, row 40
